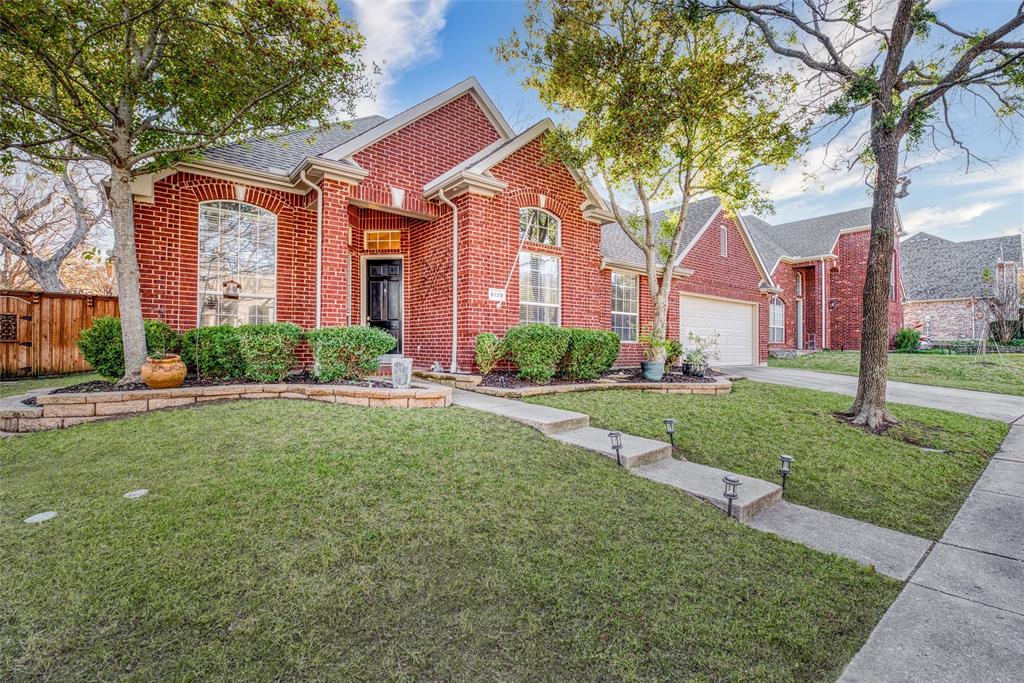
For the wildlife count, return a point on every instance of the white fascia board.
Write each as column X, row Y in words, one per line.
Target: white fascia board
column 699, row 234
column 434, row 185
column 470, row 85
column 752, row 248
column 806, row 259
column 633, row 269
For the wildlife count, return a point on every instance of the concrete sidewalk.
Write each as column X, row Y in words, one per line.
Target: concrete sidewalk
column 981, row 404
column 961, row 617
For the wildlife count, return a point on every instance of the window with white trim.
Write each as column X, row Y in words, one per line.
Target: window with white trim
column 540, row 288
column 625, row 306
column 799, row 284
column 539, row 226
column 723, row 241
column 238, row 257
column 892, row 278
column 776, row 321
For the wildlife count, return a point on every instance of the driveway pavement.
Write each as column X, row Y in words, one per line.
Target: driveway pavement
column 992, row 406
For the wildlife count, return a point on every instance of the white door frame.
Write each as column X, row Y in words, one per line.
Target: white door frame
column 799, row 324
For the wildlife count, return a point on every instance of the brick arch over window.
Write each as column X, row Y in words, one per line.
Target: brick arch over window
column 533, row 199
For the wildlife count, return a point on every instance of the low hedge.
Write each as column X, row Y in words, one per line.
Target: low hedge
column 347, row 352
column 102, row 348
column 268, row 350
column 590, row 353
column 537, row 349
column 213, row 351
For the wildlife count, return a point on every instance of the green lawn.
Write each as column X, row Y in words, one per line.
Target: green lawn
column 16, row 387
column 839, row 468
column 286, row 540
column 998, row 373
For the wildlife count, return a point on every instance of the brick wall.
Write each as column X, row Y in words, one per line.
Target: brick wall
column 785, row 277
column 847, row 286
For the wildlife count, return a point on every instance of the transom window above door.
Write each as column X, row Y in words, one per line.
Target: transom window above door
column 382, row 240
column 237, row 264
column 537, row 225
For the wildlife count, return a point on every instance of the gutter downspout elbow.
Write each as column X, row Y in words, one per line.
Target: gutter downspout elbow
column 455, row 278
column 319, row 240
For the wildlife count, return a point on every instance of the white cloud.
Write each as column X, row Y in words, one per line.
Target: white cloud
column 400, row 34
column 935, row 219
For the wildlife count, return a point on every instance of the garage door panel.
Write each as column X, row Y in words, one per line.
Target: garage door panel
column 732, row 321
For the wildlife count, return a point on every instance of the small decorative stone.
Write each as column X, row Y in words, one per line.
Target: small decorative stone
column 401, row 373
column 41, row 517
column 138, row 493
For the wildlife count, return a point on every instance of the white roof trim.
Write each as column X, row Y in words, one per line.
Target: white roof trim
column 470, row 85
column 752, row 248
column 514, row 145
column 699, row 234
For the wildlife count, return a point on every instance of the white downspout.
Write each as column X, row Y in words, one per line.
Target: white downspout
column 319, row 238
column 455, row 279
column 823, row 327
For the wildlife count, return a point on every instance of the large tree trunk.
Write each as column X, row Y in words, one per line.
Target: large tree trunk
column 869, row 407
column 126, row 270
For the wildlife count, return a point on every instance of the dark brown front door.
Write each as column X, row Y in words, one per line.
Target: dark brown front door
column 384, row 297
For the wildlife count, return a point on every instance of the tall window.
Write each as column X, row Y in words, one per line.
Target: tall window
column 539, row 288
column 537, row 225
column 776, row 321
column 624, row 306
column 238, row 257
column 723, row 241
column 892, row 279
column 799, row 284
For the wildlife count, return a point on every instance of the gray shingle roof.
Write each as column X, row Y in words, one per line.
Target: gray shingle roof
column 616, row 245
column 283, row 153
column 803, row 239
column 935, row 268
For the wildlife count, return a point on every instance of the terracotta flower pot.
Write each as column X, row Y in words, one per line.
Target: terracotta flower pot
column 163, row 373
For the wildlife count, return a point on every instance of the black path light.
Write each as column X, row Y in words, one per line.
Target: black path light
column 731, row 482
column 670, row 429
column 616, row 438
column 787, row 462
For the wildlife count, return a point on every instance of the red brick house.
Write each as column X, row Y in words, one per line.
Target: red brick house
column 820, row 265
column 437, row 224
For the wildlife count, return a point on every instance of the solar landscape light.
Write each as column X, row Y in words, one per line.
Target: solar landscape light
column 616, row 438
column 670, row 429
column 731, row 482
column 787, row 462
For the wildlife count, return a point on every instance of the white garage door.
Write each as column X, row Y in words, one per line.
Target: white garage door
column 734, row 323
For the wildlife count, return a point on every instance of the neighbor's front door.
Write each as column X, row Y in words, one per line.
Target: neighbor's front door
column 384, row 297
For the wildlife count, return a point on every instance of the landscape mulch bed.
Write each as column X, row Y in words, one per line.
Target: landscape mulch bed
column 192, row 381
column 508, row 380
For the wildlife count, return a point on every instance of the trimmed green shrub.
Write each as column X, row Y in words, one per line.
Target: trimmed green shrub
column 102, row 348
column 213, row 351
column 347, row 352
column 489, row 352
column 673, row 352
column 268, row 350
column 906, row 339
column 590, row 353
column 537, row 349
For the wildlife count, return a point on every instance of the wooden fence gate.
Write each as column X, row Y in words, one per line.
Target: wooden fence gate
column 38, row 330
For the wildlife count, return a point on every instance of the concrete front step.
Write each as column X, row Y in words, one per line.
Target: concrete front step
column 636, row 450
column 705, row 483
column 545, row 420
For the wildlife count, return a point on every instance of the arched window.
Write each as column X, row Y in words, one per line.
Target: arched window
column 537, row 225
column 776, row 321
column 237, row 264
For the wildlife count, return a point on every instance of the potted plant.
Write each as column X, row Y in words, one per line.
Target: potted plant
column 163, row 370
column 653, row 370
column 702, row 349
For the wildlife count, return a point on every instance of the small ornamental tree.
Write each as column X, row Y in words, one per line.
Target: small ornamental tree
column 138, row 85
column 662, row 104
column 1004, row 299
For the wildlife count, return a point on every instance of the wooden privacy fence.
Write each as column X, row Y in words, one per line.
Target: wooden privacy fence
column 38, row 330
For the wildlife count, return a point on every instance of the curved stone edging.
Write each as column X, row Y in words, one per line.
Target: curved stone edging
column 56, row 411
column 719, row 386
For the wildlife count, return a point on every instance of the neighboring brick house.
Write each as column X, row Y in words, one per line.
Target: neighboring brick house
column 943, row 281
column 437, row 224
column 820, row 264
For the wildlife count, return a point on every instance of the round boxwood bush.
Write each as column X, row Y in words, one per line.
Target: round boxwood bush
column 536, row 349
column 268, row 350
column 906, row 339
column 590, row 353
column 213, row 351
column 102, row 348
column 348, row 353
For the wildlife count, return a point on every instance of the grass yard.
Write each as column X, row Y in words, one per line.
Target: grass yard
column 285, row 540
column 16, row 387
column 997, row 373
column 839, row 468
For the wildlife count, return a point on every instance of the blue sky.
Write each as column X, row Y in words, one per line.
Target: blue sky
column 424, row 46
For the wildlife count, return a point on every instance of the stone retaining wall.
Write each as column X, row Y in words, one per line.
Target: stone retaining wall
column 720, row 386
column 55, row 411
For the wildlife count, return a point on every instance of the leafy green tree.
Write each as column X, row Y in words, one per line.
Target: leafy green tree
column 662, row 103
column 885, row 59
column 141, row 84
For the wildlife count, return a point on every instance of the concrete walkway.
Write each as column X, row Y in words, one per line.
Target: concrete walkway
column 961, row 617
column 992, row 406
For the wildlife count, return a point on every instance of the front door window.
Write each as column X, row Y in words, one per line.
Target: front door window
column 384, row 297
